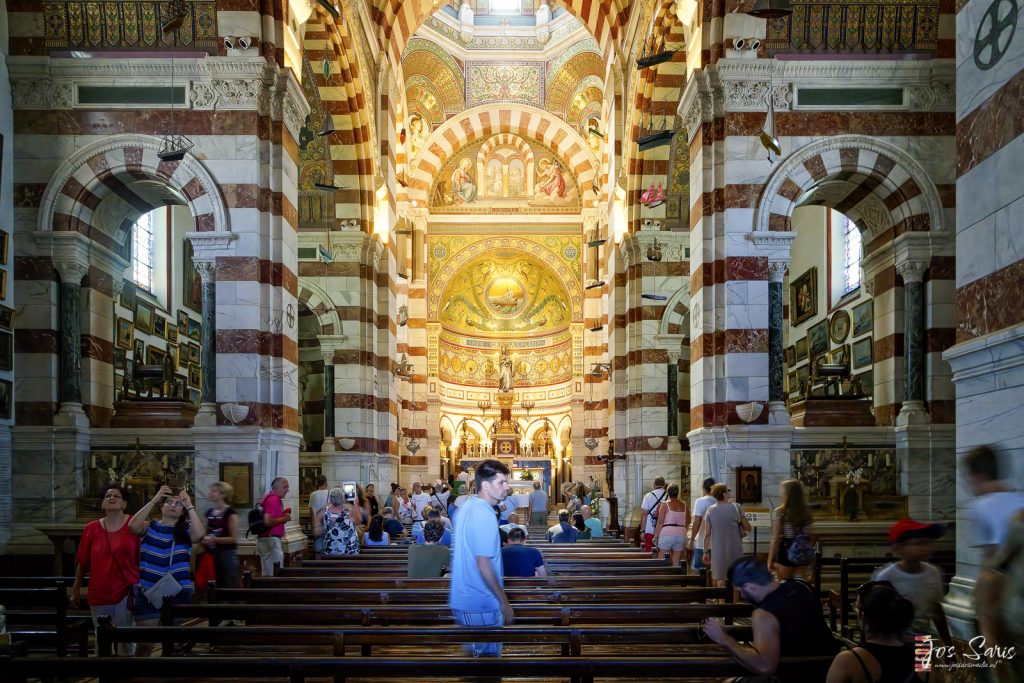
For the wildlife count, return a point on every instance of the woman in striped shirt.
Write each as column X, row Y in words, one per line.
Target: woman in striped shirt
column 166, row 549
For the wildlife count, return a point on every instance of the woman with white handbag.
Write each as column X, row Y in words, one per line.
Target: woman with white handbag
column 164, row 571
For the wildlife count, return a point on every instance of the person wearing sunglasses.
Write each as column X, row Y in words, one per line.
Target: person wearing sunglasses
column 883, row 656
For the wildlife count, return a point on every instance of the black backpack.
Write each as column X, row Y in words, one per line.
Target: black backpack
column 257, row 525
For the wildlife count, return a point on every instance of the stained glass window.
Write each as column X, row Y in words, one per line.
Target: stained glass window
column 851, row 255
column 142, row 252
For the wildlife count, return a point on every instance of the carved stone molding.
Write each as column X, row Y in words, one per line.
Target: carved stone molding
column 71, row 271
column 72, row 251
column 777, row 270
column 207, row 270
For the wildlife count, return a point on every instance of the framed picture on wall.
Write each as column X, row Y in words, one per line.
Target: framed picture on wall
column 3, row 284
column 803, row 373
column 119, row 356
column 194, row 397
column 839, row 327
column 194, row 354
column 867, row 382
column 172, row 332
column 155, row 356
column 195, row 330
column 239, row 475
column 125, row 333
column 5, row 245
column 839, row 355
column 192, row 293
column 800, row 349
column 817, row 339
column 6, row 398
column 863, row 318
column 138, row 352
column 790, row 356
column 794, row 384
column 6, row 317
column 160, row 326
column 128, row 295
column 144, row 317
column 195, row 375
column 6, row 351
column 862, row 353
column 182, row 322
column 748, row 485
column 803, row 297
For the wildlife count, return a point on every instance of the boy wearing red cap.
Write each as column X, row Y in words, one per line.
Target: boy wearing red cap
column 918, row 581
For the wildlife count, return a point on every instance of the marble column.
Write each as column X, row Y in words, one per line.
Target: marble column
column 70, row 391
column 776, row 359
column 329, row 344
column 207, row 270
column 913, row 409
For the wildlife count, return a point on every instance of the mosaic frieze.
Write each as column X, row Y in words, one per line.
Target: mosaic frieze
column 134, row 24
column 852, row 26
column 477, row 365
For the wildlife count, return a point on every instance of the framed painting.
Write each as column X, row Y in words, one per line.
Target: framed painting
column 867, row 382
column 839, row 327
column 817, row 339
column 119, row 357
column 6, row 350
column 138, row 351
column 840, row 355
column 5, row 245
column 172, row 332
column 194, row 354
column 239, row 475
column 175, row 352
column 125, row 333
column 6, row 317
column 193, row 397
column 144, row 317
column 794, row 384
column 129, row 367
column 195, row 375
column 6, row 398
column 803, row 373
column 195, row 330
column 3, row 284
column 863, row 317
column 160, row 326
column 790, row 356
column 155, row 356
column 748, row 485
column 862, row 353
column 128, row 295
column 800, row 349
column 307, row 483
column 192, row 293
column 803, row 297
column 182, row 322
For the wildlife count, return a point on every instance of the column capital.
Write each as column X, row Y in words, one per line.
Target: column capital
column 329, row 343
column 777, row 269
column 207, row 246
column 207, row 270
column 72, row 254
column 912, row 271
column 775, row 244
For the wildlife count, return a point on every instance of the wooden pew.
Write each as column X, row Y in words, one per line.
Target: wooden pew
column 298, row 669
column 39, row 617
column 399, row 570
column 414, row 596
column 432, row 615
column 571, row 641
column 554, row 581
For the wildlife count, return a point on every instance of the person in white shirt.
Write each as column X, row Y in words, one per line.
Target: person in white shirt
column 420, row 500
column 439, row 497
column 513, row 523
column 995, row 504
column 317, row 502
column 650, row 505
column 700, row 507
column 918, row 581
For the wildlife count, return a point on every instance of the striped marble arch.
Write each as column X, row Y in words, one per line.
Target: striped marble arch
column 488, row 120
column 105, row 187
column 878, row 185
column 320, row 304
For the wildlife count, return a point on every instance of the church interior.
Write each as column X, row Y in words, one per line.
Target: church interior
column 601, row 242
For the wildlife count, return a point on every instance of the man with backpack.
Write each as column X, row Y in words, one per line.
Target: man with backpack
column 649, row 513
column 270, row 529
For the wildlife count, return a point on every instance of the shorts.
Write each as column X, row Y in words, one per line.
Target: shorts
column 120, row 616
column 671, row 543
column 480, row 619
column 145, row 611
column 698, row 559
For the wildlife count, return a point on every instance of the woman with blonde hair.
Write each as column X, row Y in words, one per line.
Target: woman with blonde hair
column 222, row 534
column 791, row 552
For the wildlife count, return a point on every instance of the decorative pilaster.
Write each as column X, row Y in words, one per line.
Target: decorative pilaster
column 71, row 274
column 913, row 409
column 329, row 344
column 776, row 272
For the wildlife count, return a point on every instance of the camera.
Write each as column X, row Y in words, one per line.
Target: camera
column 349, row 487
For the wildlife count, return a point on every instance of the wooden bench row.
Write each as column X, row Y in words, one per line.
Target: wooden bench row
column 571, row 641
column 419, row 615
column 38, row 617
column 314, row 582
column 299, row 669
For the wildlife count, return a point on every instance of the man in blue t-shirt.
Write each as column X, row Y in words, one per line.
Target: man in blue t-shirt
column 519, row 559
column 477, row 596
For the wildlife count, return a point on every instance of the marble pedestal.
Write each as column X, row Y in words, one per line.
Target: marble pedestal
column 718, row 451
column 634, row 477
column 362, row 468
column 929, row 454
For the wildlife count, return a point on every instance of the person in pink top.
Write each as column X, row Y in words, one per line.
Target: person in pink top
column 275, row 516
column 670, row 534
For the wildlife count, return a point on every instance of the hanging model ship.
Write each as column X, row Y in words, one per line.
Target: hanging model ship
column 651, row 137
column 654, row 52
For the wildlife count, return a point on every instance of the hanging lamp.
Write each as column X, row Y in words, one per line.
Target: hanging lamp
column 771, row 9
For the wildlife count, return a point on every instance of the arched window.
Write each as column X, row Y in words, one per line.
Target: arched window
column 142, row 252
column 506, row 6
column 851, row 254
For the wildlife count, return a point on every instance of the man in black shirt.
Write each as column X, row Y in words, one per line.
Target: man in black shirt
column 787, row 622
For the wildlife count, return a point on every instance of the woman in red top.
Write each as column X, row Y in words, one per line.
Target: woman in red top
column 109, row 552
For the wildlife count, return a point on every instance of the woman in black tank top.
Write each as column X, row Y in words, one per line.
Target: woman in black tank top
column 883, row 657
